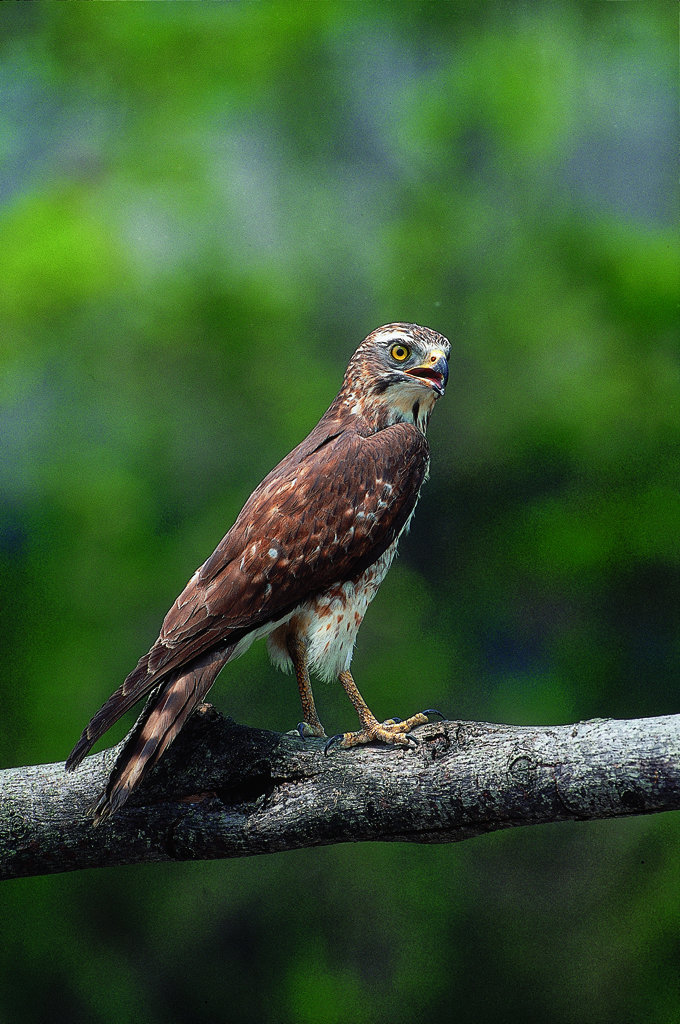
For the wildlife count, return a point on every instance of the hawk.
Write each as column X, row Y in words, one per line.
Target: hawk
column 301, row 563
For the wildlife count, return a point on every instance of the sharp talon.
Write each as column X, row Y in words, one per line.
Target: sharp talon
column 301, row 730
column 433, row 711
column 331, row 741
column 410, row 736
column 396, row 720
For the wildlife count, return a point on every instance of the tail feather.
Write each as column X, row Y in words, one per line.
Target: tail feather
column 165, row 713
column 135, row 686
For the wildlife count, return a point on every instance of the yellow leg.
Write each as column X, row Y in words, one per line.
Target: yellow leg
column 391, row 731
column 310, row 724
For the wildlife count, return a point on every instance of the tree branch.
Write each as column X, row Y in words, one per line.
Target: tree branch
column 224, row 790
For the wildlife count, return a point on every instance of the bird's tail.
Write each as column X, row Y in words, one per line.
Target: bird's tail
column 136, row 685
column 166, row 711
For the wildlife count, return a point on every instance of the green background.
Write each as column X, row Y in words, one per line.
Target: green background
column 204, row 207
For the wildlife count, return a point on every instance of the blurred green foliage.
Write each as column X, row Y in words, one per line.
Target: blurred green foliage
column 203, row 209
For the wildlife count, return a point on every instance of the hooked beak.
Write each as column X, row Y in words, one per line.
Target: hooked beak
column 434, row 372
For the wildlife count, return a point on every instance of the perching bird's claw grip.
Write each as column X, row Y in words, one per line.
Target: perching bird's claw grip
column 331, row 742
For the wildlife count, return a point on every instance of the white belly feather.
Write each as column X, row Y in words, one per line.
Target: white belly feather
column 330, row 622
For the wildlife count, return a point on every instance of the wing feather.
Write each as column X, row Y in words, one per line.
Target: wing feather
column 322, row 516
column 308, row 525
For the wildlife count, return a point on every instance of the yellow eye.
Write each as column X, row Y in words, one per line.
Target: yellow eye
column 400, row 352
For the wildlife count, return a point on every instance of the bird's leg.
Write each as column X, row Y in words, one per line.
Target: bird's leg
column 310, row 724
column 391, row 731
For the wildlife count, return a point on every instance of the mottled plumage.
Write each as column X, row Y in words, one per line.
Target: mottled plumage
column 301, row 563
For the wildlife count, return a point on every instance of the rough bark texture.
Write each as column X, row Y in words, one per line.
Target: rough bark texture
column 227, row 791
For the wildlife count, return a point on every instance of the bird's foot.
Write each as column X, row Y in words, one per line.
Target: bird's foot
column 307, row 731
column 393, row 731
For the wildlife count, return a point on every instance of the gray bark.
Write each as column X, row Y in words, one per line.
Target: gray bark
column 227, row 791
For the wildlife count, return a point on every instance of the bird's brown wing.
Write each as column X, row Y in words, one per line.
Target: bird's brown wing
column 322, row 516
column 311, row 523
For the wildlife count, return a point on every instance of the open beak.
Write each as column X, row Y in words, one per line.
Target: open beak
column 434, row 372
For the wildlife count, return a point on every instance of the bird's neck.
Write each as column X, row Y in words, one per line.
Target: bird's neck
column 415, row 409
column 384, row 410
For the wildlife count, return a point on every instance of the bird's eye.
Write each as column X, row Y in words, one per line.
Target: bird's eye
column 400, row 352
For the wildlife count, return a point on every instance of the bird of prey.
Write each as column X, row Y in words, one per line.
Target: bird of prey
column 301, row 563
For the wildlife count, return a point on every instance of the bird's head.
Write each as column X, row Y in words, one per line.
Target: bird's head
column 399, row 371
